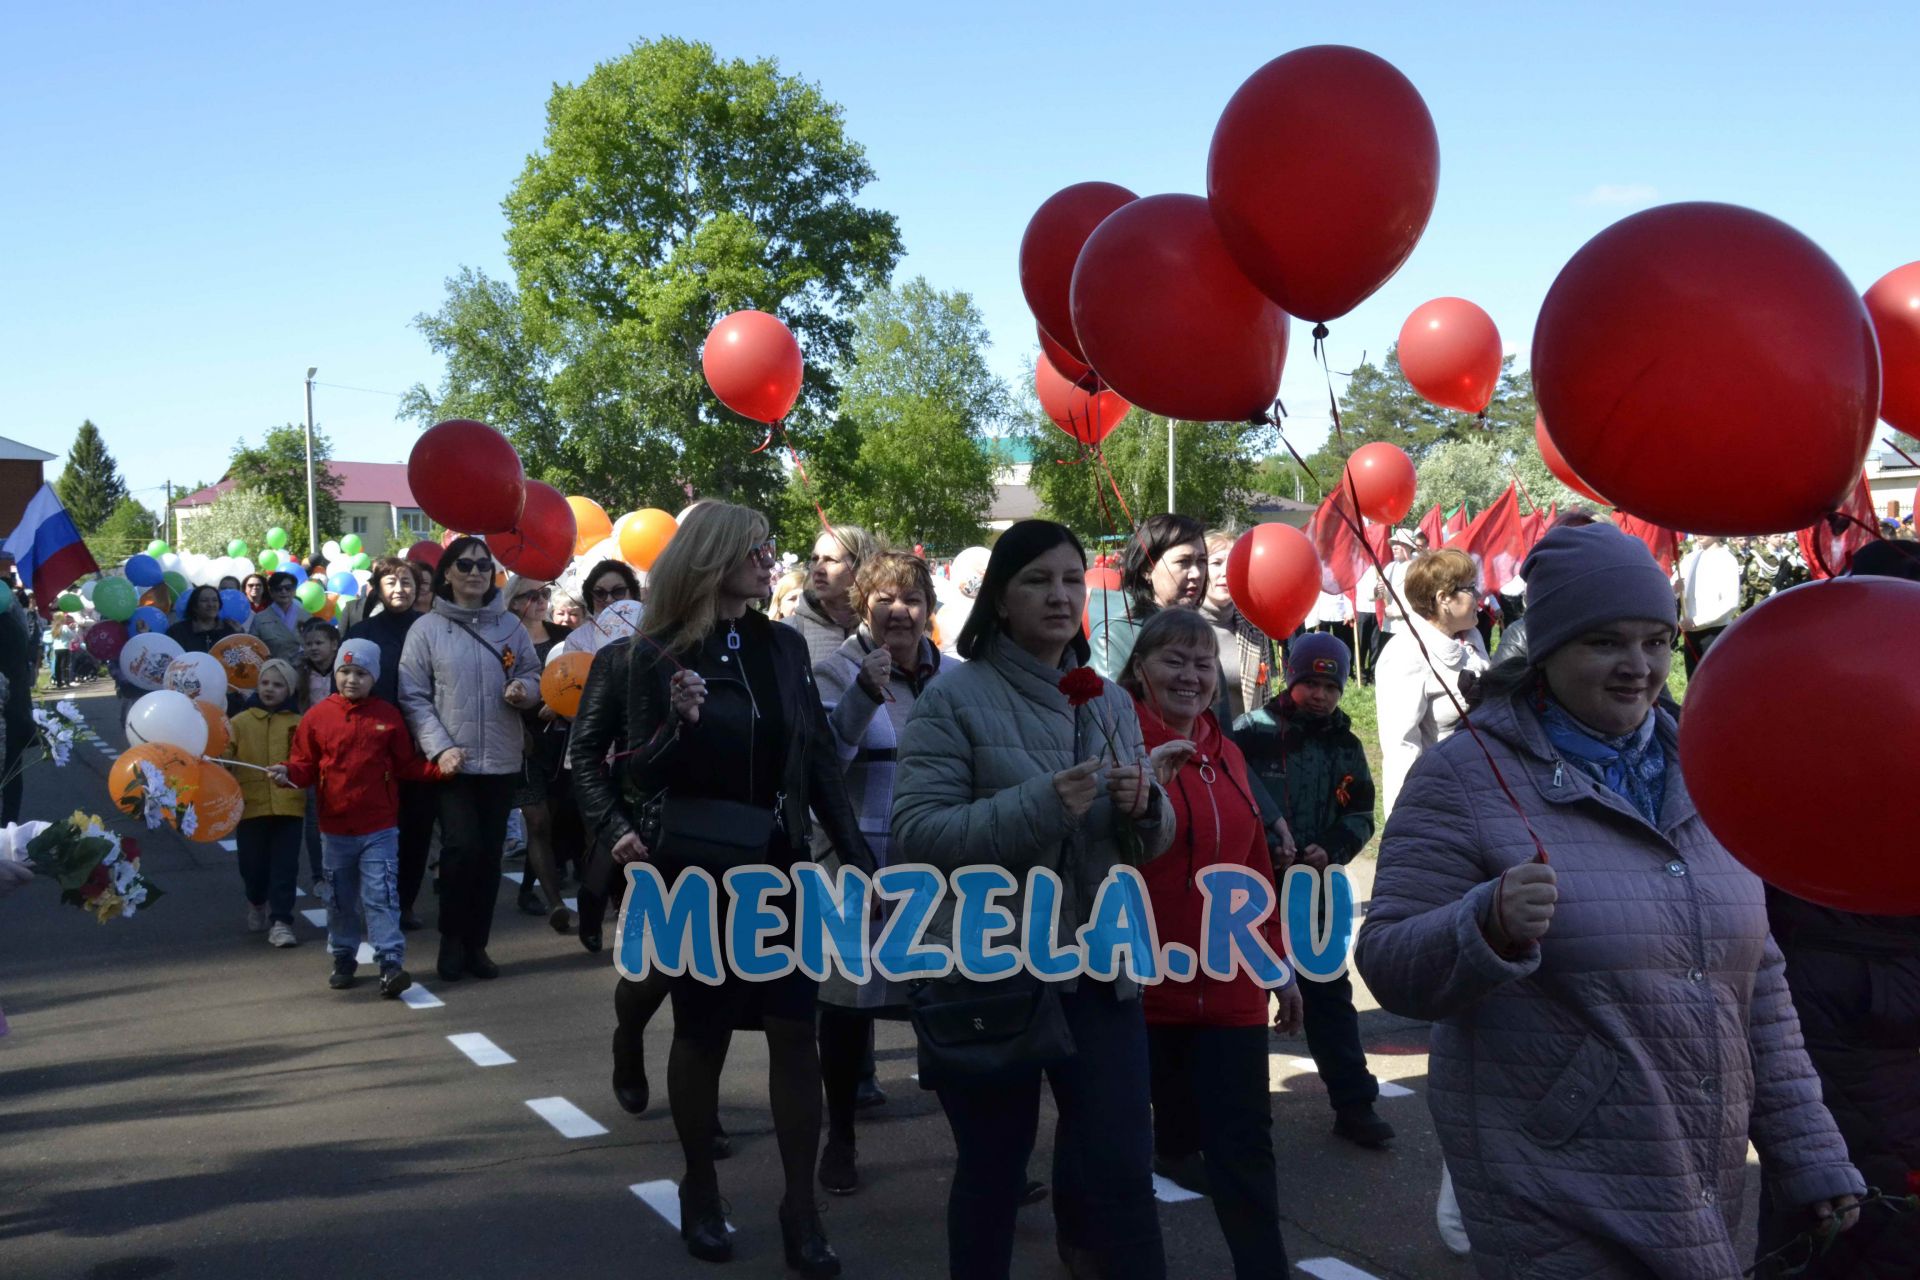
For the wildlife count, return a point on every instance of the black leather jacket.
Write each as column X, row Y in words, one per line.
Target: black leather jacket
column 622, row 706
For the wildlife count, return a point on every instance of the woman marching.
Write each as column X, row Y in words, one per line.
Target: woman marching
column 604, row 589
column 387, row 618
column 1000, row 765
column 712, row 714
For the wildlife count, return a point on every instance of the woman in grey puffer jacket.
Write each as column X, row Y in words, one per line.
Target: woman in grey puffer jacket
column 1610, row 1029
column 467, row 671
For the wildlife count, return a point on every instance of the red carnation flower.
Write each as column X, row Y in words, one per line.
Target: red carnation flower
column 98, row 883
column 1082, row 685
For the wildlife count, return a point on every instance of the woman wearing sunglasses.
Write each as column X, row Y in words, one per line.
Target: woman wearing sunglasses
column 467, row 672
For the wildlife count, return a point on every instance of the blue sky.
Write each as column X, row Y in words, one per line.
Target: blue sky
column 203, row 200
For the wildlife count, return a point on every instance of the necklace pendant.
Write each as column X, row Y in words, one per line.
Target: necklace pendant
column 733, row 638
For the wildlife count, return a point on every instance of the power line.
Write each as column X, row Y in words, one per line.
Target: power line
column 339, row 386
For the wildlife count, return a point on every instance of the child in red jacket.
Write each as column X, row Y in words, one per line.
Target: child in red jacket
column 357, row 749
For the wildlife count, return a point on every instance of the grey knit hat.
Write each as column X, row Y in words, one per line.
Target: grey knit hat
column 1584, row 576
column 361, row 653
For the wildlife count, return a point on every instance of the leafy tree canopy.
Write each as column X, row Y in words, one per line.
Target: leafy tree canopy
column 242, row 513
column 276, row 469
column 125, row 532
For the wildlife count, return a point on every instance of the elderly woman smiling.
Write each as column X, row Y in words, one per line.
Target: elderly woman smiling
column 1612, row 1028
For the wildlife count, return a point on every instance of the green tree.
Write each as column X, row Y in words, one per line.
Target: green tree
column 90, row 486
column 906, row 455
column 1380, row 404
column 125, row 532
column 276, row 469
column 672, row 188
column 1478, row 468
column 241, row 513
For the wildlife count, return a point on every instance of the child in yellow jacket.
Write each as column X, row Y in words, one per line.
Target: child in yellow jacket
column 272, row 823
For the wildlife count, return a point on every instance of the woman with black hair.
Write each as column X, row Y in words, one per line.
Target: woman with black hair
column 201, row 626
column 467, row 672
column 1000, row 764
column 1163, row 567
column 278, row 625
column 605, row 587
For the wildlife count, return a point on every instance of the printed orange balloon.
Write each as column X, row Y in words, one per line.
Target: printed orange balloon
column 643, row 535
column 564, row 680
column 592, row 526
column 242, row 656
column 217, row 805
column 219, row 732
column 124, row 782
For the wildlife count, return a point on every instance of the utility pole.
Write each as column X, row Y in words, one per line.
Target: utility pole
column 313, row 519
column 167, row 531
column 1170, row 503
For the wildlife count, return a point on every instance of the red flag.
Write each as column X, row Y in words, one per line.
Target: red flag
column 1821, row 544
column 1495, row 538
column 1456, row 524
column 1434, row 525
column 1342, row 557
column 1533, row 527
column 1664, row 543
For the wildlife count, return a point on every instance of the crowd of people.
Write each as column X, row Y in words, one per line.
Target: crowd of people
column 1612, row 1015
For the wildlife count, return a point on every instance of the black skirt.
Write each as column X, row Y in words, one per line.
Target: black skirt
column 739, row 1004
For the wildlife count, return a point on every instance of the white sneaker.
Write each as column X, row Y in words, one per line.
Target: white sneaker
column 1453, row 1231
column 281, row 935
column 256, row 918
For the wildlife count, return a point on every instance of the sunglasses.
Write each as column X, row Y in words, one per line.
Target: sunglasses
column 542, row 593
column 618, row 592
column 764, row 553
column 465, row 565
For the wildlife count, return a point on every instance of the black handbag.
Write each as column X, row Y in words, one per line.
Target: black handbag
column 973, row 1033
column 716, row 835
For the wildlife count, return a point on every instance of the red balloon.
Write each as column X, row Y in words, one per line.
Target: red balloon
column 426, row 552
column 1450, row 352
column 753, row 365
column 1170, row 322
column 1086, row 414
column 1550, row 454
column 106, row 638
column 466, row 476
column 1055, row 235
column 1322, row 176
column 1383, row 481
column 1894, row 304
column 1062, row 359
column 541, row 544
column 1759, row 801
column 1708, row 368
column 1273, row 576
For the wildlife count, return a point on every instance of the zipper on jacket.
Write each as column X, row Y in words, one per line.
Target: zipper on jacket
column 1559, row 773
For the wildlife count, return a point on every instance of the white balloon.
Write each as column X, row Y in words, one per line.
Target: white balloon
column 198, row 675
column 619, row 620
column 86, row 590
column 170, row 562
column 330, row 550
column 363, row 577
column 168, row 717
column 146, row 657
column 243, row 566
column 969, row 564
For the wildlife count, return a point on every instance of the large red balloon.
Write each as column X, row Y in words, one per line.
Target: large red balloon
column 541, row 544
column 1763, row 804
column 1086, row 414
column 1450, row 352
column 1894, row 304
column 1061, row 358
column 1168, row 320
column 467, row 476
column 1322, row 176
column 1051, row 246
column 1557, row 464
column 1273, row 576
column 1708, row 368
column 426, row 552
column 1383, row 481
column 753, row 365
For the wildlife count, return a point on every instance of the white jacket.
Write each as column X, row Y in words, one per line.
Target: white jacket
column 1710, row 588
column 1414, row 708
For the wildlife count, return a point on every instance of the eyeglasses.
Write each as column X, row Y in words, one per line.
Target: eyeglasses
column 616, row 592
column 465, row 565
column 538, row 593
column 764, row 553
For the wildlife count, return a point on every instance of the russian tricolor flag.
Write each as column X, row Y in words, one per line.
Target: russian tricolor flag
column 48, row 548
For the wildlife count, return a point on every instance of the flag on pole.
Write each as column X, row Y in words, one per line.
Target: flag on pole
column 1664, row 543
column 1456, row 524
column 48, row 549
column 1434, row 525
column 1342, row 556
column 1820, row 543
column 1495, row 538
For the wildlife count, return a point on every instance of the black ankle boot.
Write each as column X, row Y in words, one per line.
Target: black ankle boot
column 703, row 1225
column 629, row 1078
column 806, row 1240
column 452, row 965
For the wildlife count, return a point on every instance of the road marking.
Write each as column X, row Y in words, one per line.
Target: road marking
column 365, row 954
column 663, row 1197
column 1169, row 1192
column 484, row 1052
column 1333, row 1269
column 569, row 1120
column 573, row 904
column 316, row 917
column 231, row 846
column 420, row 998
column 511, row 875
column 1388, row 1089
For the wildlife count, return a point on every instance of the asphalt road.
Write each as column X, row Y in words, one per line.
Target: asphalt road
column 178, row 1100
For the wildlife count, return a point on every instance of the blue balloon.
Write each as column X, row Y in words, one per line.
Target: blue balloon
column 234, row 606
column 147, row 618
column 144, row 571
column 344, row 584
column 296, row 569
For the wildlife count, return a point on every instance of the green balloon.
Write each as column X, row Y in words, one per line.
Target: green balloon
column 70, row 602
column 157, row 548
column 176, row 583
column 269, row 561
column 351, row 544
column 277, row 538
column 238, row 547
column 6, row 598
column 312, row 596
column 116, row 598
column 361, row 561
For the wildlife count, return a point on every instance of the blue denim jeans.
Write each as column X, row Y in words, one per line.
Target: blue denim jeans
column 365, row 874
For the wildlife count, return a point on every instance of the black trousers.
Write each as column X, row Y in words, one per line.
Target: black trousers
column 1694, row 646
column 20, row 733
column 269, row 855
column 419, row 810
column 62, row 668
column 1333, row 1038
column 1210, row 1095
column 473, row 833
column 1367, row 628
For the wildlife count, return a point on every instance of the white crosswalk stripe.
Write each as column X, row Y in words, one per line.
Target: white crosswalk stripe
column 568, row 1120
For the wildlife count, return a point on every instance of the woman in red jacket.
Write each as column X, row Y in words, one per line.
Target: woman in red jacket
column 1207, row 1038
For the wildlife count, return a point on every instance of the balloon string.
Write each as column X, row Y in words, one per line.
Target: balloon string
column 1520, row 484
column 1902, row 452
column 1333, row 403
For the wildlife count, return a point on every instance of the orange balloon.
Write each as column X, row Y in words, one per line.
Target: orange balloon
column 643, row 535
column 564, row 680
column 217, row 805
column 328, row 609
column 182, row 773
column 219, row 733
column 591, row 524
column 241, row 656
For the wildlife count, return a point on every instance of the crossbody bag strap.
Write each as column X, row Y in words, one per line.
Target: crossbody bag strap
column 486, row 644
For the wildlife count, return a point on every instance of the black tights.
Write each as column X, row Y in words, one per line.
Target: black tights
column 793, row 1093
column 845, row 1039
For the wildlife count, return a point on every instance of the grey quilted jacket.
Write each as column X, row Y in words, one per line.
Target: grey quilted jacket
column 453, row 689
column 975, row 783
column 1594, row 1097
